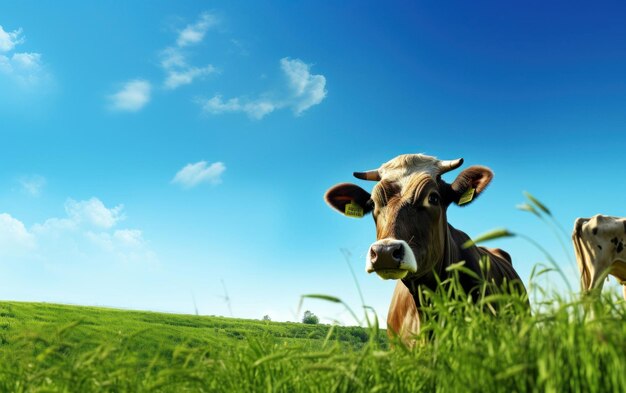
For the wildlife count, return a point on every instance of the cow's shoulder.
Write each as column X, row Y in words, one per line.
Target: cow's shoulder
column 501, row 263
column 500, row 253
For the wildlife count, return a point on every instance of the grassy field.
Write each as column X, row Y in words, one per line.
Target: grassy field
column 49, row 347
column 54, row 348
column 495, row 344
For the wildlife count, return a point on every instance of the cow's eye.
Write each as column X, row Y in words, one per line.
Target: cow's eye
column 433, row 199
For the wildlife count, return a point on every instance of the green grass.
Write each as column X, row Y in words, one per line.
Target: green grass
column 56, row 348
column 69, row 348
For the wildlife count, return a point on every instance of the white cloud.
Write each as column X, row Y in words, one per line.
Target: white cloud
column 27, row 61
column 119, row 241
column 25, row 68
column 128, row 237
column 55, row 225
column 32, row 185
column 20, row 63
column 303, row 91
column 185, row 76
column 216, row 105
column 8, row 40
column 14, row 237
column 193, row 174
column 87, row 234
column 255, row 109
column 133, row 96
column 194, row 33
column 94, row 213
column 174, row 60
column 307, row 89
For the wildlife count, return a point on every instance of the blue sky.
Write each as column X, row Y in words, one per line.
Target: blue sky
column 150, row 151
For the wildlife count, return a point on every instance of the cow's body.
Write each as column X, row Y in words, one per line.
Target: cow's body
column 415, row 241
column 600, row 245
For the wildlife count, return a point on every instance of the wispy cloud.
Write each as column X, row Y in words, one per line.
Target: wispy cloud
column 194, row 33
column 8, row 40
column 136, row 94
column 15, row 239
column 174, row 58
column 192, row 175
column 121, row 240
column 88, row 233
column 178, row 72
column 33, row 184
column 92, row 212
column 303, row 91
column 184, row 77
column 133, row 96
column 300, row 91
column 26, row 68
column 255, row 109
column 128, row 237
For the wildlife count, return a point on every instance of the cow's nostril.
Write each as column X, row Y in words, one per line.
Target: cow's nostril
column 398, row 254
column 373, row 254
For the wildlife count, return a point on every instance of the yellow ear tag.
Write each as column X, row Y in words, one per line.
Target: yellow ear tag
column 467, row 196
column 354, row 210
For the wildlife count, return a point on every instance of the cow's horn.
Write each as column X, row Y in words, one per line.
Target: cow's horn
column 447, row 166
column 369, row 175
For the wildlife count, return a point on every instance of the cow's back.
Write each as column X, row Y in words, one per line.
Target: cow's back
column 500, row 264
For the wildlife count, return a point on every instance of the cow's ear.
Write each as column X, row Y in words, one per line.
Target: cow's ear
column 344, row 194
column 470, row 183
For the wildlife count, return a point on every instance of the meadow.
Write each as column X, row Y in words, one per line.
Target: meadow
column 59, row 348
column 565, row 343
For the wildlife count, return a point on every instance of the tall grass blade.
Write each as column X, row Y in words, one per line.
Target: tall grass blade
column 328, row 298
column 491, row 235
column 551, row 260
column 346, row 253
column 528, row 208
column 537, row 203
column 553, row 224
column 332, row 299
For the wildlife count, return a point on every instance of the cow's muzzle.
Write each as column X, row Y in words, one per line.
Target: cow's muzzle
column 390, row 259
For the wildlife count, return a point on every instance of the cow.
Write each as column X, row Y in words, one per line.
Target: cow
column 600, row 246
column 415, row 243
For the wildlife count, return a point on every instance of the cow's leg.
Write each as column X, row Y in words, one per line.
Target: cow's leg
column 598, row 276
column 624, row 290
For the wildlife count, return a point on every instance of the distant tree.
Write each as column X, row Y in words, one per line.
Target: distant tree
column 310, row 318
column 266, row 318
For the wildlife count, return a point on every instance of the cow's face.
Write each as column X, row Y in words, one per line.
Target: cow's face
column 409, row 205
column 410, row 226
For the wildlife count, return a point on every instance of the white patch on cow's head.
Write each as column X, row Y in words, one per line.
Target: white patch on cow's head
column 403, row 166
column 408, row 264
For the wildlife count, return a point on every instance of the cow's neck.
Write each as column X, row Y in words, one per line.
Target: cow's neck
column 451, row 254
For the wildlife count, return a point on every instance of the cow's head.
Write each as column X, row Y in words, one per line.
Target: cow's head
column 409, row 205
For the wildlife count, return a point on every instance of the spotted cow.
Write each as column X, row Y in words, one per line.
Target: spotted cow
column 600, row 245
column 415, row 243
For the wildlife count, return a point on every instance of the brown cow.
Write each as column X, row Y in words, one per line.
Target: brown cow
column 414, row 240
column 600, row 243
